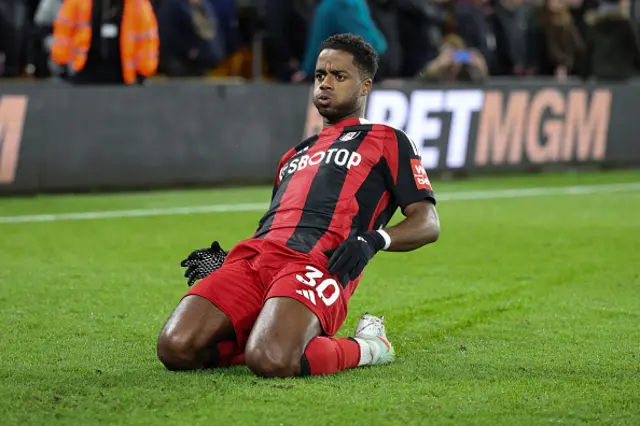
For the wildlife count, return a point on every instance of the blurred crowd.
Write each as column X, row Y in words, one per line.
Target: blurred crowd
column 128, row 41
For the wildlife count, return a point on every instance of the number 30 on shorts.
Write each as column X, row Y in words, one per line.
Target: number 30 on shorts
column 328, row 290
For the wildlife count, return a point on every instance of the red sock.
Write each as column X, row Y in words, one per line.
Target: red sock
column 238, row 359
column 328, row 355
column 229, row 354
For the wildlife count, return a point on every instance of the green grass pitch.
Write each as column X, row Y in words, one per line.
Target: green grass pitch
column 526, row 311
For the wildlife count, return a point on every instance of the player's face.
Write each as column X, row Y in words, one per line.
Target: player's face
column 339, row 90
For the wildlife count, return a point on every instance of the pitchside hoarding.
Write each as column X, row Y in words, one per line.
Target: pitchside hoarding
column 476, row 129
column 61, row 138
column 13, row 111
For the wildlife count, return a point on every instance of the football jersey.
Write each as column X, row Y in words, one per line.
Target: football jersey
column 348, row 179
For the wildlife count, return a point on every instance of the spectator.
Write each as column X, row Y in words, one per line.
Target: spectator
column 509, row 32
column 191, row 42
column 5, row 41
column 337, row 17
column 578, row 10
column 226, row 12
column 455, row 63
column 469, row 22
column 44, row 18
column 287, row 23
column 14, row 20
column 613, row 45
column 106, row 41
column 385, row 16
column 554, row 44
column 420, row 24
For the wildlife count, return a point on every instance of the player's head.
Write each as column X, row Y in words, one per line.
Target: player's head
column 344, row 75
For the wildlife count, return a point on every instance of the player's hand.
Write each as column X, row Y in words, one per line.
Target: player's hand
column 350, row 258
column 202, row 262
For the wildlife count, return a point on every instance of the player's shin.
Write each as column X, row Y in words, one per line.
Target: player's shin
column 369, row 346
column 328, row 355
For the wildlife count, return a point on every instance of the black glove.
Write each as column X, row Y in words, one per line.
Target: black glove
column 202, row 262
column 350, row 258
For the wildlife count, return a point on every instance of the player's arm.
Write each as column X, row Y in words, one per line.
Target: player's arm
column 412, row 189
column 420, row 227
column 410, row 186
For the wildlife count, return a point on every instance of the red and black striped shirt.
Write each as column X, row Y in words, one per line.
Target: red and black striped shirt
column 348, row 179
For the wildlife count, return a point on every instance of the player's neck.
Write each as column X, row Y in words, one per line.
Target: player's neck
column 329, row 123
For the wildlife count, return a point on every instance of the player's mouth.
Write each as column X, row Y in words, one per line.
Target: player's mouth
column 324, row 99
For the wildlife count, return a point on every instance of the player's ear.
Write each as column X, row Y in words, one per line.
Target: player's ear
column 367, row 85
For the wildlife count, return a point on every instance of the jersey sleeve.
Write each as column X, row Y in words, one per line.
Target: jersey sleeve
column 410, row 182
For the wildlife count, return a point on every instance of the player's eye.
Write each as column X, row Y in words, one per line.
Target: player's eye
column 340, row 77
column 319, row 76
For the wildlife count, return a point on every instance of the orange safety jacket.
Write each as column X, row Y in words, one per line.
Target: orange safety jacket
column 138, row 37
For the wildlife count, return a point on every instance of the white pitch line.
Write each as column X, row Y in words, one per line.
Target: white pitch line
column 246, row 207
column 116, row 214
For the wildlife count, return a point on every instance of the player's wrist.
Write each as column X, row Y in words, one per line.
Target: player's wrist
column 376, row 240
column 386, row 237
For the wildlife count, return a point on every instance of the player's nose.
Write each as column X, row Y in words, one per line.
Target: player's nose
column 327, row 83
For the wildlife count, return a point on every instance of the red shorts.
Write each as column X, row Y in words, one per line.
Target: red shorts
column 256, row 270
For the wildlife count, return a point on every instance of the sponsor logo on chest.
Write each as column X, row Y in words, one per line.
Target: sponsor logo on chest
column 340, row 157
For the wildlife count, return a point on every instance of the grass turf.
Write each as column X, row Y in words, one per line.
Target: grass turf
column 526, row 311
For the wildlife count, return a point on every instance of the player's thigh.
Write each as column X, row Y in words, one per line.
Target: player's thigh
column 310, row 283
column 194, row 324
column 279, row 337
column 303, row 302
column 222, row 306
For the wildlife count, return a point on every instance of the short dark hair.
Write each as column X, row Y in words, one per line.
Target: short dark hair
column 364, row 54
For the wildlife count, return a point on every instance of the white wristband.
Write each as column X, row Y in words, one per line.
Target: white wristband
column 387, row 239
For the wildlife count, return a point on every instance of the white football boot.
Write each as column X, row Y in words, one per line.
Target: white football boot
column 371, row 335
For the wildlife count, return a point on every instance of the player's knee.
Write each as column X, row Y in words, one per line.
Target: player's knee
column 176, row 351
column 272, row 362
